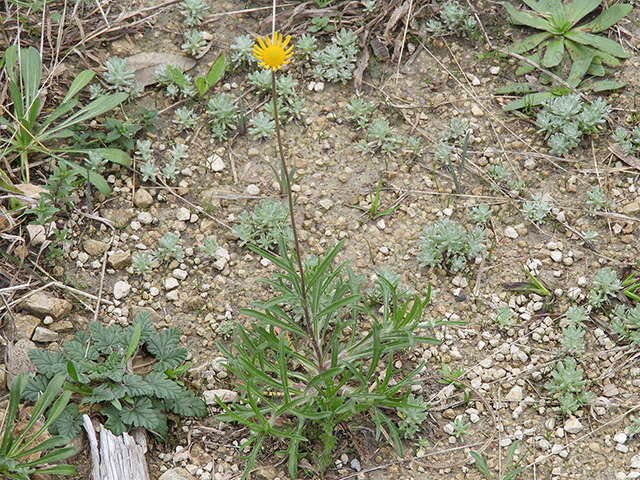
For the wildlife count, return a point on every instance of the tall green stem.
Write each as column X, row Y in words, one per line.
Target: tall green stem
column 296, row 243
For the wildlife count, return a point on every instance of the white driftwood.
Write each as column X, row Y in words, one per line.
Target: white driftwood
column 116, row 458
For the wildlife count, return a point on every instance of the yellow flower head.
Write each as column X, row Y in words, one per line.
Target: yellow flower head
column 273, row 54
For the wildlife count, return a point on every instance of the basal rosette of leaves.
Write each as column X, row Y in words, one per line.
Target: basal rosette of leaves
column 572, row 50
column 132, row 374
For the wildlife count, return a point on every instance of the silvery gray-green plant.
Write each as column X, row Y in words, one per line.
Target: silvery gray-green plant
column 606, row 284
column 144, row 150
column 447, row 243
column 168, row 248
column 536, row 210
column 480, row 213
column 142, row 262
column 573, row 339
column 337, row 61
column 568, row 386
column 625, row 322
column 628, row 141
column 505, row 317
column 306, row 44
column 261, row 79
column 194, row 42
column 599, row 199
column 241, row 51
column 119, row 77
column 566, row 118
column 193, row 11
column 149, row 171
column 262, row 126
column 223, row 110
column 209, row 248
column 185, row 118
column 453, row 18
column 360, row 112
column 264, row 225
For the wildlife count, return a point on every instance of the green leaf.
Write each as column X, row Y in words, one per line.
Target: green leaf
column 105, row 339
column 164, row 387
column 601, row 43
column 17, row 386
column 164, row 346
column 35, row 387
column 216, row 71
column 101, row 394
column 554, row 53
column 201, row 85
column 578, row 9
column 532, row 100
column 48, row 363
column 69, row 423
column 81, row 81
column 523, row 18
column 481, row 463
column 141, row 414
column 114, row 422
column 133, row 343
column 136, row 386
column 605, row 86
column 607, row 18
column 189, row 405
column 78, row 351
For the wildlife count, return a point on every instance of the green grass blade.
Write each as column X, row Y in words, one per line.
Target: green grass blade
column 17, row 387
column 481, row 463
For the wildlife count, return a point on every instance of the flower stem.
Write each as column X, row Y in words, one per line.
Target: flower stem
column 296, row 243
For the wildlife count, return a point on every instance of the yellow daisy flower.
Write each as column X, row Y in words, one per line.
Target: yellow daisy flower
column 273, row 54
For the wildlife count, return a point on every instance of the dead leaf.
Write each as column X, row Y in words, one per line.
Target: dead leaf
column 145, row 65
column 628, row 159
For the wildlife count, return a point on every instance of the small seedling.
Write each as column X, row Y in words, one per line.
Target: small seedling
column 511, row 470
column 374, row 208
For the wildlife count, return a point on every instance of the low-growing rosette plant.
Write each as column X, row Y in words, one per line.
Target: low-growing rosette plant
column 133, row 375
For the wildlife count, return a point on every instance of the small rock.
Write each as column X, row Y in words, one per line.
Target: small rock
column 609, row 390
column 252, row 190
column 631, row 208
column 145, row 218
column 510, row 232
column 530, row 164
column 269, row 473
column 556, row 256
column 620, row 437
column 25, row 325
column 18, row 360
column 142, row 198
column 179, row 274
column 253, row 152
column 627, row 239
column 494, row 70
column 120, row 260
column 177, row 474
column 171, row 283
column 216, row 164
column 183, row 214
column 515, row 395
column 121, row 289
column 95, row 247
column 318, row 87
column 225, row 396
column 475, row 81
column 635, row 461
column 476, row 111
column 44, row 335
column 119, row 217
column 42, row 304
column 573, row 425
column 326, row 203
